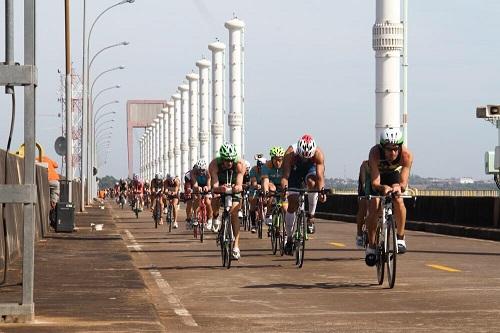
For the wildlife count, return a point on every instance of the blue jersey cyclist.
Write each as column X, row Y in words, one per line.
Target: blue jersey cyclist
column 272, row 172
column 200, row 182
column 255, row 186
column 303, row 166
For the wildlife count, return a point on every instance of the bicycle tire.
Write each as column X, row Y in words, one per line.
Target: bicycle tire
column 169, row 217
column 202, row 231
column 379, row 241
column 302, row 249
column 229, row 242
column 274, row 233
column 392, row 253
column 156, row 216
column 283, row 235
column 195, row 228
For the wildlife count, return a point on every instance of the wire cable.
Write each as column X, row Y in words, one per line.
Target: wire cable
column 5, row 233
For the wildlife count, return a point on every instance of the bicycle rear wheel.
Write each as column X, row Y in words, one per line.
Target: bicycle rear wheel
column 392, row 252
column 379, row 240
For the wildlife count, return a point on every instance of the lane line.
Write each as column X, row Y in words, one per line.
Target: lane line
column 337, row 244
column 443, row 268
column 165, row 287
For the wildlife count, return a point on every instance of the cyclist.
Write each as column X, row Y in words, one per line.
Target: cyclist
column 226, row 171
column 147, row 193
column 364, row 175
column 188, row 190
column 303, row 165
column 123, row 190
column 200, row 182
column 171, row 187
column 255, row 185
column 157, row 194
column 390, row 163
column 138, row 188
column 272, row 172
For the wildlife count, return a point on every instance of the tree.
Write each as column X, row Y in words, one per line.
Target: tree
column 107, row 182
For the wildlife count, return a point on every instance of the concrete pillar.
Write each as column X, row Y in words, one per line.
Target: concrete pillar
column 204, row 67
column 171, row 135
column 184, row 90
column 193, row 118
column 177, row 134
column 388, row 44
column 164, row 112
column 160, row 143
column 235, row 119
column 218, row 70
column 148, row 153
column 157, row 145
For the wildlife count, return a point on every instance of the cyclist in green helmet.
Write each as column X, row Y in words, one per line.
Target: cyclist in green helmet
column 272, row 172
column 226, row 171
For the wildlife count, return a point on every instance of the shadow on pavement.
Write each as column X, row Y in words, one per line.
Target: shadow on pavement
column 320, row 285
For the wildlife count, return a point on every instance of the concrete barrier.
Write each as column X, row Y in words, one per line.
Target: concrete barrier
column 461, row 216
column 11, row 237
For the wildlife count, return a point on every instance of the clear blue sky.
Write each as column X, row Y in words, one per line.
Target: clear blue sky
column 309, row 68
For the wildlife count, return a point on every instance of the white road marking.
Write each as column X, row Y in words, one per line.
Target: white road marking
column 165, row 288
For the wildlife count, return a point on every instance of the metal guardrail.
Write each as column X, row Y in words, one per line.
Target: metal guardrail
column 435, row 193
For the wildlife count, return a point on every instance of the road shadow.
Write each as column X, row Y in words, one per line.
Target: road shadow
column 456, row 252
column 234, row 266
column 319, row 285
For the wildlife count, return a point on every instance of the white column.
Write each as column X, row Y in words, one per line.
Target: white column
column 388, row 44
column 157, row 145
column 177, row 134
column 148, row 153
column 193, row 118
column 203, row 66
column 235, row 122
column 217, row 49
column 152, row 160
column 184, row 90
column 160, row 143
column 141, row 155
column 165, row 169
column 171, row 135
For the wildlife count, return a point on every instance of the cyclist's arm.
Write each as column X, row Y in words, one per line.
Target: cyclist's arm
column 320, row 169
column 374, row 172
column 287, row 167
column 214, row 177
column 407, row 161
column 240, row 169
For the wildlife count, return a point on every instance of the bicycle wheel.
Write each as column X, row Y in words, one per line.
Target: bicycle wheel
column 283, row 235
column 156, row 216
column 392, row 252
column 274, row 231
column 220, row 242
column 195, row 228
column 169, row 217
column 229, row 242
column 300, row 240
column 379, row 241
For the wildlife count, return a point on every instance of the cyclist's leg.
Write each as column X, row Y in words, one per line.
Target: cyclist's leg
column 400, row 219
column 360, row 220
column 175, row 206
column 196, row 203
column 161, row 199
column 371, row 223
column 252, row 200
column 235, row 221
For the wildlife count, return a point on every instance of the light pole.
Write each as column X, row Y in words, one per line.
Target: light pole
column 106, row 48
column 96, row 120
column 101, row 74
column 104, row 122
column 103, row 90
column 103, row 106
column 86, row 116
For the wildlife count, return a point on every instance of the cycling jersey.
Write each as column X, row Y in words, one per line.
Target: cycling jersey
column 389, row 171
column 273, row 174
column 254, row 172
column 226, row 177
column 301, row 168
column 156, row 185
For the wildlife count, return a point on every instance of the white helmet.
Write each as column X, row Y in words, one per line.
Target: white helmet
column 247, row 164
column 391, row 135
column 306, row 147
column 201, row 164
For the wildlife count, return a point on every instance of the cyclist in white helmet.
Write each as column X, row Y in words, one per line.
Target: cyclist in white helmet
column 200, row 182
column 390, row 163
column 303, row 166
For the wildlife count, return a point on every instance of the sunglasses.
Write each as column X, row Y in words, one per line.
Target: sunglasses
column 394, row 148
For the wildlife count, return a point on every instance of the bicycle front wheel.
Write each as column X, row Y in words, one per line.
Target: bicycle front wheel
column 392, row 252
column 380, row 241
column 283, row 235
column 169, row 218
column 300, row 241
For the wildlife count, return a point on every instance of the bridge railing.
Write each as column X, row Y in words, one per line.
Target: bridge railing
column 435, row 193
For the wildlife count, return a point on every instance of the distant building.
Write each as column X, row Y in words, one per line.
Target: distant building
column 466, row 180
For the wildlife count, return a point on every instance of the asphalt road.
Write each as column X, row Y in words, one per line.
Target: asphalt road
column 444, row 284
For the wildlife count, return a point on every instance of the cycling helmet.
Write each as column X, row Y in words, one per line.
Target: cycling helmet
column 168, row 176
column 277, row 152
column 157, row 176
column 306, row 147
column 391, row 135
column 135, row 177
column 247, row 164
column 201, row 165
column 117, row 184
column 228, row 152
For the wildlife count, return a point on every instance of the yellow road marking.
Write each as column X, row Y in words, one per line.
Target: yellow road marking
column 444, row 268
column 338, row 244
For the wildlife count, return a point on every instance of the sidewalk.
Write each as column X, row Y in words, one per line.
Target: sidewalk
column 86, row 282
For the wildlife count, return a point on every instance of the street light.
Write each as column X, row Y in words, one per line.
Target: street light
column 106, row 48
column 102, row 131
column 104, row 122
column 103, row 115
column 103, row 90
column 103, row 106
column 101, row 74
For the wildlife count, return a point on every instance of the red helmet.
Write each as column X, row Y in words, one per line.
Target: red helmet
column 306, row 147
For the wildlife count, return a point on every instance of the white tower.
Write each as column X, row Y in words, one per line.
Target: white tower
column 140, row 157
column 164, row 135
column 218, row 70
column 388, row 44
column 160, row 143
column 171, row 135
column 193, row 118
column 204, row 66
column 177, row 134
column 235, row 120
column 184, row 90
column 148, row 153
column 157, row 145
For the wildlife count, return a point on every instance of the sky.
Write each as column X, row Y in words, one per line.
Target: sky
column 310, row 68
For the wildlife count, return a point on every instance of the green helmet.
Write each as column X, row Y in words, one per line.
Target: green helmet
column 277, row 152
column 228, row 152
column 392, row 135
